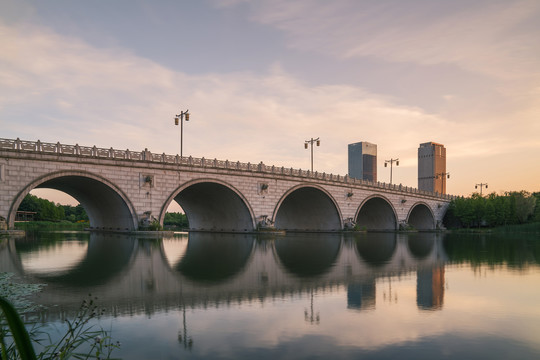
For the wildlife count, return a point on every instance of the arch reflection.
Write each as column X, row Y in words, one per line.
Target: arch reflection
column 106, row 255
column 376, row 249
column 214, row 257
column 420, row 244
column 307, row 255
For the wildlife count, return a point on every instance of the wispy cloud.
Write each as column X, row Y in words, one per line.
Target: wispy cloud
column 485, row 36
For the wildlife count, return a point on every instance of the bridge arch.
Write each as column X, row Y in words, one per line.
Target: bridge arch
column 307, row 207
column 376, row 213
column 421, row 217
column 212, row 205
column 107, row 206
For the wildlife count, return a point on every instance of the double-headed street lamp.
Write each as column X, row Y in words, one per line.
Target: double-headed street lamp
column 180, row 118
column 318, row 142
column 391, row 161
column 481, row 186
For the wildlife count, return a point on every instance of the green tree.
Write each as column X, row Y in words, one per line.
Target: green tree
column 176, row 219
column 524, row 205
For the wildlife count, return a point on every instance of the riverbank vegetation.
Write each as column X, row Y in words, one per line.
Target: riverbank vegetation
column 45, row 210
column 175, row 220
column 20, row 333
column 46, row 214
column 511, row 210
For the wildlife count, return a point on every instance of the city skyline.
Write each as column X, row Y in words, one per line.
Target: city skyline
column 260, row 77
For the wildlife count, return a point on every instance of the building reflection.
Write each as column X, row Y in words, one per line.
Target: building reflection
column 361, row 296
column 430, row 288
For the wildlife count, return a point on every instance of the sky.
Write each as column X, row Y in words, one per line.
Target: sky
column 261, row 77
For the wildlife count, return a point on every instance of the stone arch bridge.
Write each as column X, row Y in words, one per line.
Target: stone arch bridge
column 122, row 189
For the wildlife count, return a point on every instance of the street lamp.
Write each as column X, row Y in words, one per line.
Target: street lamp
column 179, row 118
column 318, row 142
column 391, row 161
column 481, row 186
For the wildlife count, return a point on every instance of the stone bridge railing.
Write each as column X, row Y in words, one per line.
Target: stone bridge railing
column 146, row 155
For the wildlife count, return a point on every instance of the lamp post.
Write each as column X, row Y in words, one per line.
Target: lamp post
column 180, row 118
column 391, row 161
column 481, row 186
column 318, row 142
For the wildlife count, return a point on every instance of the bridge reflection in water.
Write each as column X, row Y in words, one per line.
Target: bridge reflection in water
column 131, row 275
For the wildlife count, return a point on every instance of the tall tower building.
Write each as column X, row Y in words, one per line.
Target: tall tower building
column 432, row 167
column 363, row 161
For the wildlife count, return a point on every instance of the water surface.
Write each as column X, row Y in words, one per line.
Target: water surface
column 302, row 296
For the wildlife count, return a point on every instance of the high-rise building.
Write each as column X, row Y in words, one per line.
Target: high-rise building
column 363, row 161
column 432, row 167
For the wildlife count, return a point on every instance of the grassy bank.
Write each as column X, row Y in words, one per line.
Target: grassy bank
column 529, row 228
column 51, row 225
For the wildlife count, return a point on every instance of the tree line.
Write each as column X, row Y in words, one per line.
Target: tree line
column 510, row 208
column 46, row 210
column 176, row 220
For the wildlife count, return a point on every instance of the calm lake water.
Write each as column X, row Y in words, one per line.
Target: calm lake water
column 303, row 296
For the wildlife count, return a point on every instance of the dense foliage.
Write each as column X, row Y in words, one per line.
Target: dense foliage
column 48, row 211
column 517, row 207
column 174, row 219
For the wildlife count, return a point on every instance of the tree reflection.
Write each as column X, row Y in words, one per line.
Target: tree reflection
column 513, row 250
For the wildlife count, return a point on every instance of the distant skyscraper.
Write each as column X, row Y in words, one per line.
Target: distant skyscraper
column 432, row 167
column 363, row 161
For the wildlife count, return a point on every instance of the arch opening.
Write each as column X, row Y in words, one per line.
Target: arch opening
column 107, row 208
column 211, row 206
column 376, row 214
column 308, row 209
column 421, row 218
